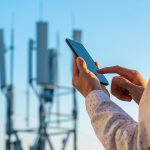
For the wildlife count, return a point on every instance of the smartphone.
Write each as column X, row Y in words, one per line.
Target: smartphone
column 80, row 51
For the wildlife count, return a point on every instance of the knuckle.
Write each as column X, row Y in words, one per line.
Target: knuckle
column 135, row 72
column 117, row 81
column 117, row 67
column 114, row 79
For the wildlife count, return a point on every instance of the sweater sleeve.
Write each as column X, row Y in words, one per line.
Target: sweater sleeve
column 114, row 127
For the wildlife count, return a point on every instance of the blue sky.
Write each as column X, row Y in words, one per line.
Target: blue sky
column 115, row 33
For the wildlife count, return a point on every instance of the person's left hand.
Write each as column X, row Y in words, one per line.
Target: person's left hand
column 83, row 79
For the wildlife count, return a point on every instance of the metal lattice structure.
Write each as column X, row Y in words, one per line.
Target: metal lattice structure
column 12, row 138
column 45, row 85
column 49, row 88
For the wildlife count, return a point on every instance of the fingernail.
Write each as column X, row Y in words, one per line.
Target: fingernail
column 80, row 60
column 98, row 71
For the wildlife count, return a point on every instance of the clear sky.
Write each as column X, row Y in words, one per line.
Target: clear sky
column 115, row 33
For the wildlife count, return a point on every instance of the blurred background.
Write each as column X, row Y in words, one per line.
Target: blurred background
column 39, row 108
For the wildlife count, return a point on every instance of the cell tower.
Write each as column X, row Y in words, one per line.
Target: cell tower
column 49, row 92
column 12, row 140
column 45, row 84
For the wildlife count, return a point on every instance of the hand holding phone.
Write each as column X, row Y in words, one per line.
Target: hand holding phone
column 79, row 50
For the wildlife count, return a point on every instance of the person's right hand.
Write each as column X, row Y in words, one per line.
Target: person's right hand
column 128, row 85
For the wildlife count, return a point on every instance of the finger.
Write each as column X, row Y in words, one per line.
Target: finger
column 126, row 98
column 81, row 64
column 75, row 68
column 127, row 73
column 120, row 85
column 120, row 88
column 121, row 94
column 123, row 97
column 97, row 63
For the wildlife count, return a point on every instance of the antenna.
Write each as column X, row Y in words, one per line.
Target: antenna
column 57, row 61
column 30, row 78
column 57, row 54
column 73, row 21
column 77, row 35
column 41, row 10
column 42, row 53
column 58, row 41
column 2, row 61
column 30, row 61
column 12, row 50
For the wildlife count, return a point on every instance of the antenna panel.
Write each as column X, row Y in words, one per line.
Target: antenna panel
column 77, row 35
column 30, row 76
column 42, row 53
column 53, row 66
column 2, row 60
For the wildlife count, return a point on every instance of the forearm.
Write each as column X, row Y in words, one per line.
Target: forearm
column 113, row 127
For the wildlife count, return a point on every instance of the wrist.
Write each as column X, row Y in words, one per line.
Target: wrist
column 105, row 90
column 90, row 89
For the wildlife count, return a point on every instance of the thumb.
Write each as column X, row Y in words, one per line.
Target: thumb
column 81, row 64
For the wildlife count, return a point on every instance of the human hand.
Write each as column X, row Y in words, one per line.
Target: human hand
column 84, row 80
column 129, row 85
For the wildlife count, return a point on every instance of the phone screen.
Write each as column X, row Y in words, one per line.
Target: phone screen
column 79, row 50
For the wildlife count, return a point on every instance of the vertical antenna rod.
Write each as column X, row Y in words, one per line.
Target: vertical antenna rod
column 30, row 77
column 10, row 93
column 12, row 52
column 2, row 61
column 41, row 10
column 58, row 100
column 73, row 21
